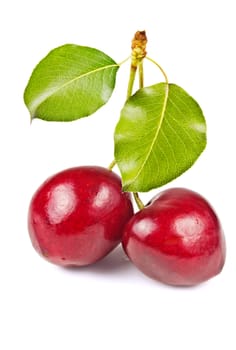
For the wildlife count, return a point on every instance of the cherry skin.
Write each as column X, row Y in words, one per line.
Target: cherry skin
column 176, row 239
column 77, row 216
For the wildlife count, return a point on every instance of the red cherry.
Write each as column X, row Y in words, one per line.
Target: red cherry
column 77, row 216
column 176, row 239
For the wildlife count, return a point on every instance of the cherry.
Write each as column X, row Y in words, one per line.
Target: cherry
column 177, row 239
column 77, row 216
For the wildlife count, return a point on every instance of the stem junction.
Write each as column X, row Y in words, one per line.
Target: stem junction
column 138, row 53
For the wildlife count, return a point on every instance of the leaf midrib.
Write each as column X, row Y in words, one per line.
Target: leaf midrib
column 155, row 136
column 55, row 91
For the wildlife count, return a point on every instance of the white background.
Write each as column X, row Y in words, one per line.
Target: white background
column 111, row 305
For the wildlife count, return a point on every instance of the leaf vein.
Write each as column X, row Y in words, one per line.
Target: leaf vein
column 157, row 132
column 36, row 102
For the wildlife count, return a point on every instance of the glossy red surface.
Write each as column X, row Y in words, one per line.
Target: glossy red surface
column 176, row 239
column 77, row 216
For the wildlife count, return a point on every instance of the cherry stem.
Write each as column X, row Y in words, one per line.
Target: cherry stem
column 133, row 70
column 141, row 75
column 111, row 166
column 138, row 54
column 138, row 201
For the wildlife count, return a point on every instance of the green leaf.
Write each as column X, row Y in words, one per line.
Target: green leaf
column 71, row 82
column 160, row 134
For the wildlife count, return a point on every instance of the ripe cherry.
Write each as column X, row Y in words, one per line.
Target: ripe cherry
column 176, row 239
column 77, row 216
